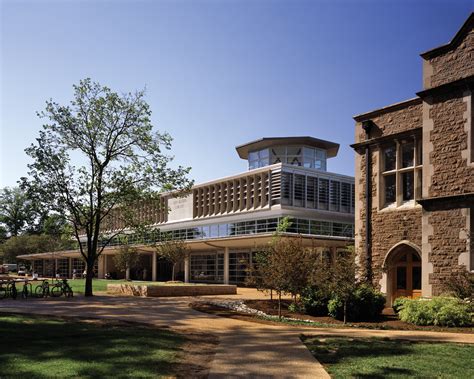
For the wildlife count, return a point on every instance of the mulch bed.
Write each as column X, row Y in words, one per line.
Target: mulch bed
column 388, row 320
column 270, row 307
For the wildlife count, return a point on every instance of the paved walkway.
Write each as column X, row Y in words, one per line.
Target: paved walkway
column 246, row 349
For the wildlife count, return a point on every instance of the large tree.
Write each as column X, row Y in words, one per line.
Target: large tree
column 17, row 211
column 96, row 154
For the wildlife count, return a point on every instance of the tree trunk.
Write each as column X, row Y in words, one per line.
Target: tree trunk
column 127, row 273
column 271, row 294
column 172, row 272
column 89, row 277
column 279, row 305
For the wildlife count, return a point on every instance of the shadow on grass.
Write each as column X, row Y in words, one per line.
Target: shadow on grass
column 383, row 357
column 40, row 348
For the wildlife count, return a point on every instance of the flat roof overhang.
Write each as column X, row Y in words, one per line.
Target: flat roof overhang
column 331, row 147
column 238, row 242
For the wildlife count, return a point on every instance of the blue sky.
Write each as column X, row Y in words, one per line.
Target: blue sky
column 219, row 73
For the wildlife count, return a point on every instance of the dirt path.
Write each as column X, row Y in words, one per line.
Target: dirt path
column 246, row 349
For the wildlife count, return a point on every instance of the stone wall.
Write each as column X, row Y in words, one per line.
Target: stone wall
column 452, row 65
column 451, row 173
column 394, row 120
column 170, row 290
column 446, row 245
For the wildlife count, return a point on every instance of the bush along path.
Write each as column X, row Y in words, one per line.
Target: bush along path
column 267, row 310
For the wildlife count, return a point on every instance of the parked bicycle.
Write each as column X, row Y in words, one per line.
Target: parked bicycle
column 62, row 288
column 27, row 290
column 42, row 290
column 11, row 289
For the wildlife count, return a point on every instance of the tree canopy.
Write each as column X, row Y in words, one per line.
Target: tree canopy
column 98, row 153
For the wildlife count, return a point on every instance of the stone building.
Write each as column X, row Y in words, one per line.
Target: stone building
column 225, row 221
column 415, row 160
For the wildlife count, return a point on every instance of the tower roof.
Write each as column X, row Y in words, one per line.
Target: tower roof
column 331, row 147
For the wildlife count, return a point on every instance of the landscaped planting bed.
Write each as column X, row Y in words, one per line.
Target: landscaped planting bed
column 384, row 358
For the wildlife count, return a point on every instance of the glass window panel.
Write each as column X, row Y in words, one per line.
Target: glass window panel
column 264, row 153
column 286, row 188
column 308, row 152
column 299, row 190
column 390, row 189
column 308, row 162
column 323, row 194
column 303, row 226
column 407, row 186
column 250, row 227
column 345, row 197
column 311, row 191
column 401, row 278
column 253, row 165
column 214, row 231
column 253, row 155
column 408, row 151
column 205, row 231
column 231, row 229
column 261, row 226
column 419, row 152
column 264, row 162
column 320, row 153
column 272, row 224
column 390, row 158
column 315, row 227
column 223, row 230
column 334, row 196
column 293, row 150
column 416, row 278
column 278, row 154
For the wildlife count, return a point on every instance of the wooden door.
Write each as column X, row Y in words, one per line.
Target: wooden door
column 407, row 275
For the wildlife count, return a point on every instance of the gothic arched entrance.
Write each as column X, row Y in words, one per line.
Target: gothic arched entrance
column 403, row 265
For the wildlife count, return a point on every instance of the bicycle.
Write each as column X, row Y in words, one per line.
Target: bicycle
column 11, row 289
column 62, row 288
column 42, row 290
column 3, row 290
column 27, row 290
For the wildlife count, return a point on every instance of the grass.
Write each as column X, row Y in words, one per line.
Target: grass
column 38, row 347
column 383, row 358
column 100, row 285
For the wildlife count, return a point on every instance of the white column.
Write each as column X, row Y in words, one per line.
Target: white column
column 226, row 265
column 153, row 266
column 186, row 269
column 32, row 267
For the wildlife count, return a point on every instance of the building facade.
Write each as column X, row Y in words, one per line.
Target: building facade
column 225, row 221
column 415, row 178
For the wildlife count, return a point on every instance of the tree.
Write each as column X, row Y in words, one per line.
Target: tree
column 126, row 259
column 175, row 251
column 26, row 244
column 17, row 211
column 119, row 161
column 343, row 281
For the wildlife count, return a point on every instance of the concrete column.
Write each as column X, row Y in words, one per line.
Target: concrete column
column 55, row 268
column 69, row 266
column 226, row 265
column 186, row 269
column 32, row 267
column 153, row 266
column 127, row 274
column 100, row 266
column 106, row 268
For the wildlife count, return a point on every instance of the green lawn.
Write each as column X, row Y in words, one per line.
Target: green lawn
column 78, row 285
column 37, row 347
column 383, row 358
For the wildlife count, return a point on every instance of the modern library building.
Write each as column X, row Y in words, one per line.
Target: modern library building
column 225, row 221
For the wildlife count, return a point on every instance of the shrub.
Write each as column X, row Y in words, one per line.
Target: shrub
column 399, row 303
column 460, row 284
column 442, row 311
column 365, row 303
column 315, row 301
